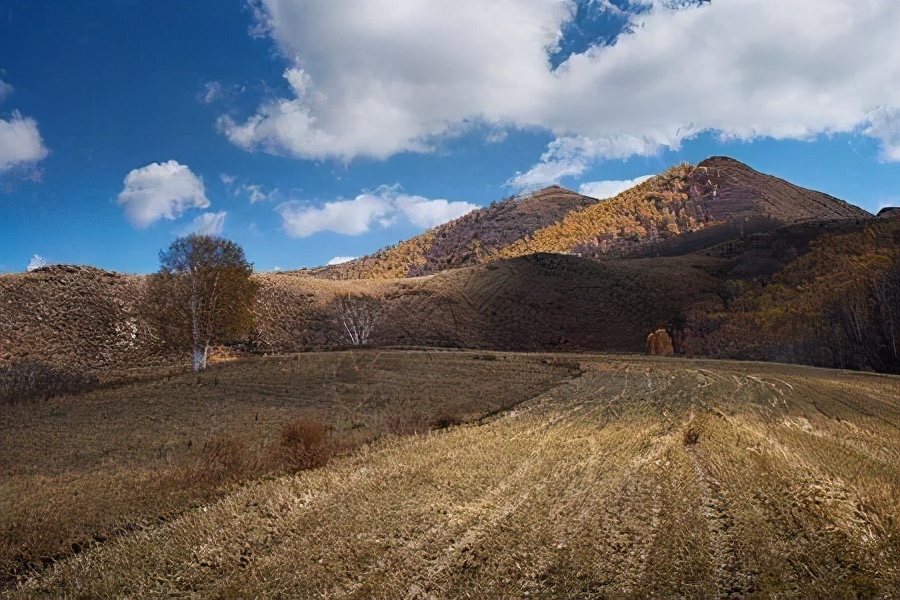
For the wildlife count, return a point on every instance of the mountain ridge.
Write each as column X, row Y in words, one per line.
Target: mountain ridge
column 683, row 199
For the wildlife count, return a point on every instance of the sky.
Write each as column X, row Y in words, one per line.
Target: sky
column 309, row 131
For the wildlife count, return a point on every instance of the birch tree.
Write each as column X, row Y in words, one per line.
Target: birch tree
column 202, row 295
column 356, row 315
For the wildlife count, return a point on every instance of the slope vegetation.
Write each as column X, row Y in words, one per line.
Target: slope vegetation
column 79, row 317
column 468, row 240
column 642, row 478
column 548, row 302
column 719, row 193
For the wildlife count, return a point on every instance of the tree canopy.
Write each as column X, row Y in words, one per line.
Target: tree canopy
column 202, row 295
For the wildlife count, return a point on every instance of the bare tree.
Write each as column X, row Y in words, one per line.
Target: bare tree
column 356, row 316
column 202, row 294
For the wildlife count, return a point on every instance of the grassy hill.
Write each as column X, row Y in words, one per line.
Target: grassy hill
column 694, row 250
column 640, row 478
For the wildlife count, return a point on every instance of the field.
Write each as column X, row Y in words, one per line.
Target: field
column 626, row 477
column 78, row 471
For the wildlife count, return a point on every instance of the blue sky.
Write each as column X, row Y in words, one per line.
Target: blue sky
column 312, row 129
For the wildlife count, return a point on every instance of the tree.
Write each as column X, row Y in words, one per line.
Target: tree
column 356, row 315
column 203, row 294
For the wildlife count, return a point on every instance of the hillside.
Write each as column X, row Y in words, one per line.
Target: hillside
column 642, row 478
column 693, row 250
column 837, row 303
column 719, row 193
column 466, row 241
column 76, row 316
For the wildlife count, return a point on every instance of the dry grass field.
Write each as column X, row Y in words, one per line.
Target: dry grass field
column 641, row 478
column 76, row 471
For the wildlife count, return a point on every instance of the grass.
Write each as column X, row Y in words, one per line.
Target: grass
column 76, row 471
column 644, row 477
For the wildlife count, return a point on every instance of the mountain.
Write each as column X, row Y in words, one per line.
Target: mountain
column 719, row 194
column 729, row 261
column 466, row 241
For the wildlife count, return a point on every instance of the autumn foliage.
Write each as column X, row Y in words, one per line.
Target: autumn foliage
column 659, row 343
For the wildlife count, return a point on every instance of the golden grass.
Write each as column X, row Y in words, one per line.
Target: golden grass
column 75, row 471
column 784, row 486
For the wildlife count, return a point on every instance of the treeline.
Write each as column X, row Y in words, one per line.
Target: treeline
column 836, row 306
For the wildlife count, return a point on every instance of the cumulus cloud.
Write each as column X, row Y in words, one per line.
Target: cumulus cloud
column 610, row 188
column 5, row 90
column 383, row 206
column 378, row 77
column 885, row 126
column 206, row 224
column 375, row 78
column 20, row 142
column 161, row 191
column 339, row 260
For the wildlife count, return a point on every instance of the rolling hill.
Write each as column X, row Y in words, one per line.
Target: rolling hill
column 692, row 250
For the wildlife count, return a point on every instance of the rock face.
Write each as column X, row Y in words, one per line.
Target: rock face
column 659, row 343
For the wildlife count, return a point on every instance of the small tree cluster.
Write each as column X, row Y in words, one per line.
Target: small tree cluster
column 32, row 379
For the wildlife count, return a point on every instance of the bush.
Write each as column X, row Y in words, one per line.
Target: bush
column 304, row 445
column 25, row 380
column 222, row 459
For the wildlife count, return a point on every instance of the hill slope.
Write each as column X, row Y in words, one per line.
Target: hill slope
column 688, row 250
column 718, row 192
column 467, row 240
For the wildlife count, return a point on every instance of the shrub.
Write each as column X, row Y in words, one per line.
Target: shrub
column 690, row 436
column 445, row 421
column 222, row 459
column 304, row 445
column 660, row 343
column 32, row 379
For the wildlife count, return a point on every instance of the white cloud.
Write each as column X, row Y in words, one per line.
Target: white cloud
column 495, row 137
column 429, row 213
column 610, row 188
column 5, row 90
column 20, row 142
column 572, row 156
column 161, row 190
column 885, row 126
column 255, row 193
column 212, row 90
column 382, row 206
column 339, row 260
column 375, row 78
column 379, row 77
column 206, row 224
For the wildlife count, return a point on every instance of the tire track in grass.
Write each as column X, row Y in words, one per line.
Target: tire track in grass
column 731, row 579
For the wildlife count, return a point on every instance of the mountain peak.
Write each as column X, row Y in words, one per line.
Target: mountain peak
column 730, row 190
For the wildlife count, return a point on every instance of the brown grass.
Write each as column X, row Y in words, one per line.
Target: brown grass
column 77, row 469
column 588, row 490
column 304, row 445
